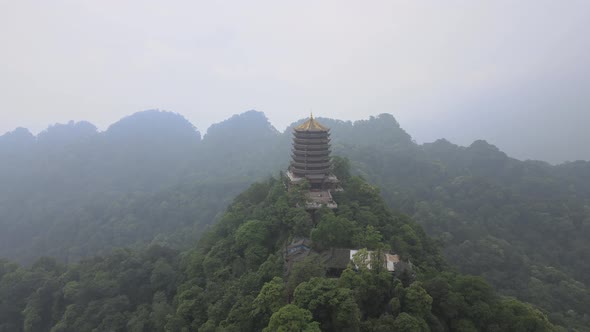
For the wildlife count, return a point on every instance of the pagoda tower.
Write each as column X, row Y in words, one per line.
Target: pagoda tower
column 311, row 161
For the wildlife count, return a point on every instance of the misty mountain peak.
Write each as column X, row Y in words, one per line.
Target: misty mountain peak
column 442, row 148
column 18, row 134
column 152, row 124
column 17, row 138
column 388, row 118
column 482, row 151
column 483, row 145
column 443, row 142
column 385, row 130
column 248, row 124
column 65, row 133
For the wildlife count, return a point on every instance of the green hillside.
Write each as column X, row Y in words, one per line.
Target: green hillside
column 234, row 279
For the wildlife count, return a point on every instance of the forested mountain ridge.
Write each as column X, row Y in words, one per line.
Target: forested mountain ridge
column 234, row 279
column 523, row 225
column 73, row 192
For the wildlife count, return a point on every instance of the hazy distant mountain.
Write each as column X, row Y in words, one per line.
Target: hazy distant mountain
column 536, row 120
column 245, row 145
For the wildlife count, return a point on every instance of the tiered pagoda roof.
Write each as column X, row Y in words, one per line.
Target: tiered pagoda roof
column 311, row 157
column 311, row 125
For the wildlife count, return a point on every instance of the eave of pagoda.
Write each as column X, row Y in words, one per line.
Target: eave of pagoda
column 324, row 165
column 306, row 172
column 311, row 152
column 311, row 133
column 311, row 141
column 324, row 158
column 311, row 147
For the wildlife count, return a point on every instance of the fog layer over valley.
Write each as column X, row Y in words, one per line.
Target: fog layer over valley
column 74, row 192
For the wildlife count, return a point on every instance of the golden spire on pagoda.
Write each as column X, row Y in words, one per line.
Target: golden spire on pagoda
column 311, row 125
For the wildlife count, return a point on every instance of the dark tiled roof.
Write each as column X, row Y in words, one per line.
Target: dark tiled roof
column 336, row 258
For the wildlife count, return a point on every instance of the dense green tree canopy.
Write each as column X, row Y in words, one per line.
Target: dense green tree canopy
column 220, row 285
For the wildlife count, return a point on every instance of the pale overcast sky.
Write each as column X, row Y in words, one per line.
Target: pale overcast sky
column 516, row 73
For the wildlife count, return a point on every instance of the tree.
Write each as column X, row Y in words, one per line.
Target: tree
column 270, row 299
column 417, row 301
column 341, row 168
column 310, row 267
column 369, row 238
column 291, row 318
column 333, row 231
column 408, row 323
column 332, row 306
column 372, row 289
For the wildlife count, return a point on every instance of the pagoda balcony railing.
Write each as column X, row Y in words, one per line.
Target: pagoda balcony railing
column 311, row 152
column 325, row 158
column 313, row 141
column 298, row 136
column 299, row 172
column 311, row 133
column 311, row 165
column 304, row 167
column 312, row 174
column 315, row 147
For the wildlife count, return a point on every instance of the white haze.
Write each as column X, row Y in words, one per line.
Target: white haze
column 516, row 73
